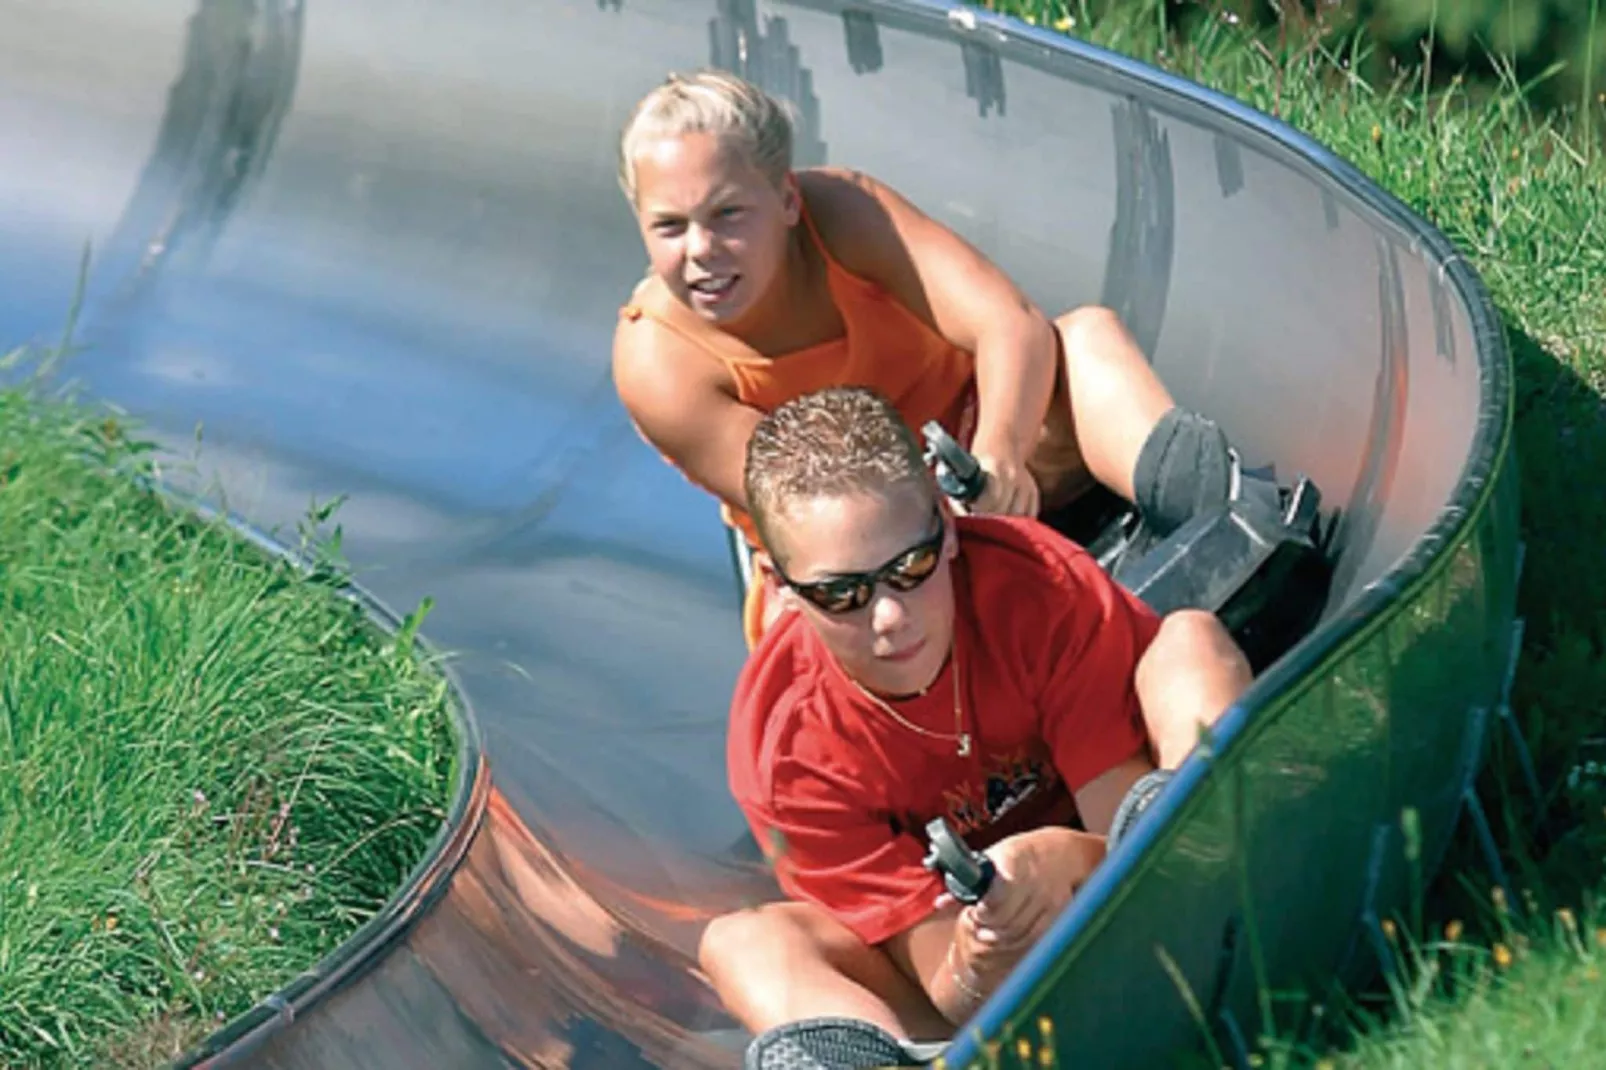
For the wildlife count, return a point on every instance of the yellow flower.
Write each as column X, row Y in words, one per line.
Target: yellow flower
column 1388, row 929
column 1064, row 23
column 1502, row 956
column 1452, row 931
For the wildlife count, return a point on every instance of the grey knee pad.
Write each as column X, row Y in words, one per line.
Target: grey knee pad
column 1184, row 467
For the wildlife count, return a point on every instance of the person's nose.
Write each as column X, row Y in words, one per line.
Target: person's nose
column 888, row 614
column 699, row 241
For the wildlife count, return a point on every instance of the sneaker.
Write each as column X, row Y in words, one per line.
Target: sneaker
column 835, row 1044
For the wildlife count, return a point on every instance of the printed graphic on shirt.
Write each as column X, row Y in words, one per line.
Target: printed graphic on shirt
column 1010, row 780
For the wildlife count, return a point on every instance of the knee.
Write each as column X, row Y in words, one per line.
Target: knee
column 1082, row 328
column 1184, row 466
column 729, row 936
column 1191, row 642
column 761, row 931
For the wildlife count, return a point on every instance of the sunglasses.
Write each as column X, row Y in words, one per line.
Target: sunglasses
column 852, row 590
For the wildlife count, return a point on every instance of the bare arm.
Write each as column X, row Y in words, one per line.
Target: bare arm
column 1101, row 797
column 961, row 293
column 681, row 405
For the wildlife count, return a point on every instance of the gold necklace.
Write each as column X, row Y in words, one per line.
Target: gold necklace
column 960, row 737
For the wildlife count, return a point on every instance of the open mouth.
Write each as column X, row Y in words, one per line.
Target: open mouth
column 713, row 287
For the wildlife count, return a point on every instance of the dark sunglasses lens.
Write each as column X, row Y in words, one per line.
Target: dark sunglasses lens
column 914, row 568
column 837, row 596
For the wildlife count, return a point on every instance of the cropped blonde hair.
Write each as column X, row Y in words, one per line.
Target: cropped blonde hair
column 836, row 441
column 715, row 102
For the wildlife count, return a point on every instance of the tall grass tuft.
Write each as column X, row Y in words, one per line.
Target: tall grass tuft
column 211, row 770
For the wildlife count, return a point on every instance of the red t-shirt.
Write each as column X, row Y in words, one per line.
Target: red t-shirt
column 838, row 794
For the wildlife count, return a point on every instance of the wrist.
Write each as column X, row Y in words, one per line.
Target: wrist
column 958, row 990
column 997, row 444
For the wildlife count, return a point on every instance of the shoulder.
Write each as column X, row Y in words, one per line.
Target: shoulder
column 1014, row 550
column 859, row 218
column 1042, row 595
column 640, row 333
column 652, row 360
column 1024, row 574
column 1030, row 582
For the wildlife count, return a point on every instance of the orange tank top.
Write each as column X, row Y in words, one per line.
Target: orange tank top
column 885, row 345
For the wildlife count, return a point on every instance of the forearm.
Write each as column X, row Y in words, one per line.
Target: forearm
column 1014, row 384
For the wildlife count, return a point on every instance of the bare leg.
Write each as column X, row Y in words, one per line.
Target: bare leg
column 784, row 962
column 1104, row 408
column 1187, row 678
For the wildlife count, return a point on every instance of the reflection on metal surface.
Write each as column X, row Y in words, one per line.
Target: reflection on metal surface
column 518, row 965
column 1443, row 329
column 1358, row 525
column 769, row 59
column 864, row 41
column 1329, row 209
column 1137, row 274
column 1229, row 164
column 532, row 957
column 984, row 76
column 241, row 59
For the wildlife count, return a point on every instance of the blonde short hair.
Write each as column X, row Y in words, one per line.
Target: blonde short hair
column 834, row 442
column 715, row 102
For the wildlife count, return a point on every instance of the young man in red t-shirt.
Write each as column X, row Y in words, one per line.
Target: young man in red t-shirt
column 982, row 669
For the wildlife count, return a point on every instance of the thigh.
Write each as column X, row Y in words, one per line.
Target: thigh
column 1057, row 463
column 784, row 962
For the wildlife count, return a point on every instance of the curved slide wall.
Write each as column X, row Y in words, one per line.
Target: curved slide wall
column 376, row 249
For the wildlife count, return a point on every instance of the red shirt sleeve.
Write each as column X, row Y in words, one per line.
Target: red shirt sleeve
column 1091, row 717
column 827, row 848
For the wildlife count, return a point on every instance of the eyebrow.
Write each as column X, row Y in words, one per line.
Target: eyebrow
column 717, row 199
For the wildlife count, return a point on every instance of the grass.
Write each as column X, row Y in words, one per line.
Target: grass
column 1523, row 196
column 211, row 770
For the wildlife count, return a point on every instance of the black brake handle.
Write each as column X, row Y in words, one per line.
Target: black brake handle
column 967, row 873
column 959, row 475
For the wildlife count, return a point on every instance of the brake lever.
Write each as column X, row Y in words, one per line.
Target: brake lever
column 967, row 873
column 959, row 475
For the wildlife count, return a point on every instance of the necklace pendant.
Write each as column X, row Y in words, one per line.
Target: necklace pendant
column 964, row 744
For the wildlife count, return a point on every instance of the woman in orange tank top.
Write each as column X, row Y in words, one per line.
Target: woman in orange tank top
column 767, row 283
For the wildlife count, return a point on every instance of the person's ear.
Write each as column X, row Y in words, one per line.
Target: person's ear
column 791, row 199
column 764, row 571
